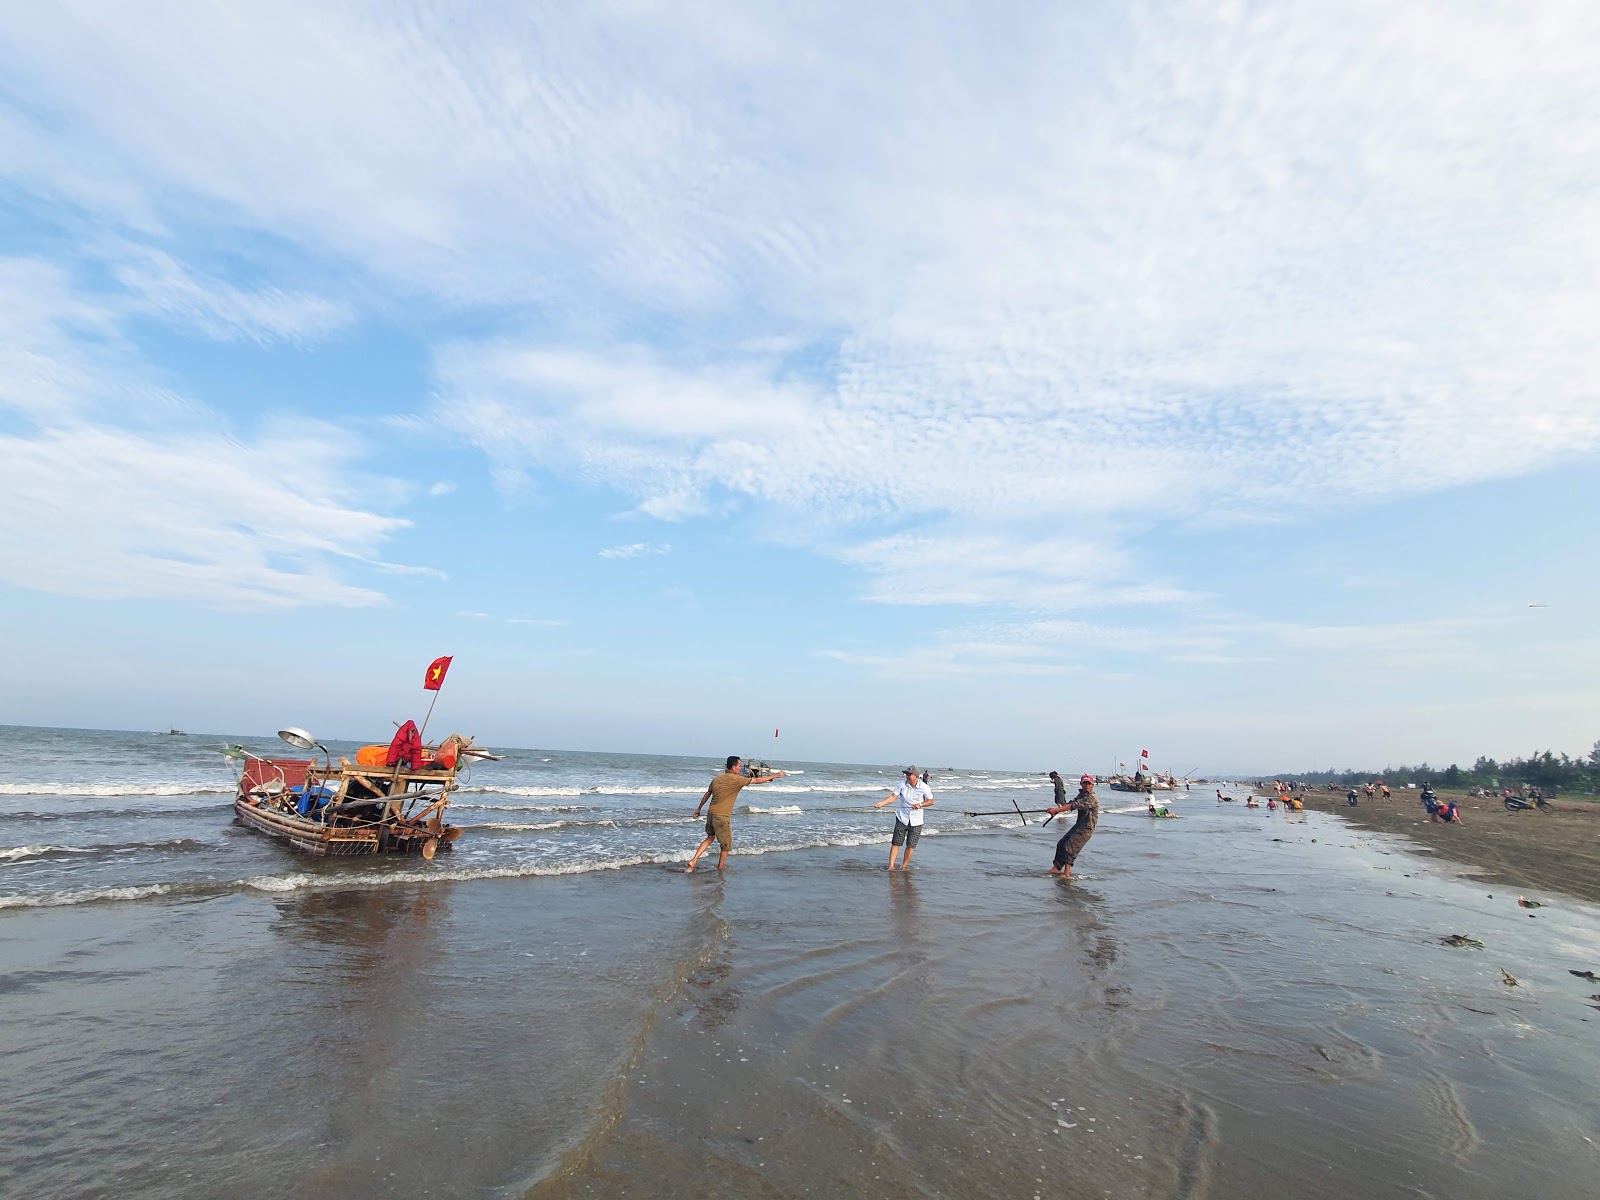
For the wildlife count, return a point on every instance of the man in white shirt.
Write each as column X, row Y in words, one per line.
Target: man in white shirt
column 909, row 799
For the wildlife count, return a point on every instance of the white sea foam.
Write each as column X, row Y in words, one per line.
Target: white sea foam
column 517, row 789
column 548, row 808
column 305, row 881
column 781, row 810
column 16, row 852
column 618, row 789
column 86, row 896
column 112, row 789
column 593, row 823
column 20, row 852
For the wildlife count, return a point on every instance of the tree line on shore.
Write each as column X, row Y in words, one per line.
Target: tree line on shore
column 1542, row 769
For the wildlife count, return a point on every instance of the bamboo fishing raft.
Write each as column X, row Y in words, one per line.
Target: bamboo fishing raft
column 349, row 808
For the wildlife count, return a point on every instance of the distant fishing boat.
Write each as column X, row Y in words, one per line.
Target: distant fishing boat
column 1143, row 778
column 383, row 803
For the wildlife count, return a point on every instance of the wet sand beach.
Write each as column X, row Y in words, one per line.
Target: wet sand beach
column 1235, row 1004
column 1558, row 851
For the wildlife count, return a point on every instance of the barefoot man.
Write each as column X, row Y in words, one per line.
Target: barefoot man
column 1076, row 838
column 909, row 799
column 722, row 792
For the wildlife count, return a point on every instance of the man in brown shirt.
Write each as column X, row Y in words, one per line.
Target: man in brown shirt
column 722, row 792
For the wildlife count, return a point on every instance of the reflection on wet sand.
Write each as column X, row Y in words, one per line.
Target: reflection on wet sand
column 1213, row 1008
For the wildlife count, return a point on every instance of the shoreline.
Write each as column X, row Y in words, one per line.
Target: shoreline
column 1555, row 851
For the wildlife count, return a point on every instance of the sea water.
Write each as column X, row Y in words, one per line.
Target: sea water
column 95, row 815
column 1236, row 1003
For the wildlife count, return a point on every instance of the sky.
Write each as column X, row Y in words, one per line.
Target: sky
column 984, row 384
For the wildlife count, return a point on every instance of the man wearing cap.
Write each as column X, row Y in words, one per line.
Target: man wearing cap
column 909, row 799
column 1075, row 839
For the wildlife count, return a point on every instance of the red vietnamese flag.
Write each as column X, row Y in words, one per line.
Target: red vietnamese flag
column 434, row 679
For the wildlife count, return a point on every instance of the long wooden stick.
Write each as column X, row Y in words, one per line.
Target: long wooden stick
column 429, row 717
column 1003, row 813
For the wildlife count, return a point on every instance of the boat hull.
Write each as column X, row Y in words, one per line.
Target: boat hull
column 309, row 837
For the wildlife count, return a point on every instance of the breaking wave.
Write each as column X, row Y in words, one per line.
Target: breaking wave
column 101, row 814
column 549, row 808
column 113, row 789
column 307, row 882
column 594, row 823
column 18, row 853
column 510, row 789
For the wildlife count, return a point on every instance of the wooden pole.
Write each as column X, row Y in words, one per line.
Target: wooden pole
column 429, row 717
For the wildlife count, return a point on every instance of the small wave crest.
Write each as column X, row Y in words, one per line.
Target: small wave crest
column 779, row 810
column 517, row 789
column 548, row 808
column 594, row 823
column 307, row 882
column 113, row 789
column 102, row 814
column 18, row 853
column 147, row 891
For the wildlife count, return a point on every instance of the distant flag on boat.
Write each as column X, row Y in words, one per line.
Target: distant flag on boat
column 774, row 733
column 434, row 679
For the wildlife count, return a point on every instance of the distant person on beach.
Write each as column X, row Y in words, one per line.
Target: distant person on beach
column 1450, row 814
column 1075, row 839
column 722, row 792
column 909, row 799
column 1350, row 798
column 1060, row 785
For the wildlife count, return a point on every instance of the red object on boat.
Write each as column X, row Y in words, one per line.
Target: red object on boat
column 406, row 749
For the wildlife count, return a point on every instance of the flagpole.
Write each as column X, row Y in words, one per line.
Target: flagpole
column 434, row 701
column 429, row 717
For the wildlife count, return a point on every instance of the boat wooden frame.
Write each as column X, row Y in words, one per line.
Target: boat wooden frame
column 366, row 810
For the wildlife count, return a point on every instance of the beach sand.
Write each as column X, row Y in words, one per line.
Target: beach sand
column 1235, row 1004
column 1557, row 851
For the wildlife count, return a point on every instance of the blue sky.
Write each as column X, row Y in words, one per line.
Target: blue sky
column 1015, row 386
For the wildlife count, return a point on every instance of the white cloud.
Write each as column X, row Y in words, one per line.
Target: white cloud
column 540, row 622
column 115, row 487
column 220, row 310
column 1378, row 655
column 636, row 550
column 472, row 615
column 202, row 519
column 1006, row 294
column 442, row 488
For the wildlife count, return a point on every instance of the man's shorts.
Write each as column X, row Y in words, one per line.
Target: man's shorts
column 721, row 828
column 906, row 835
